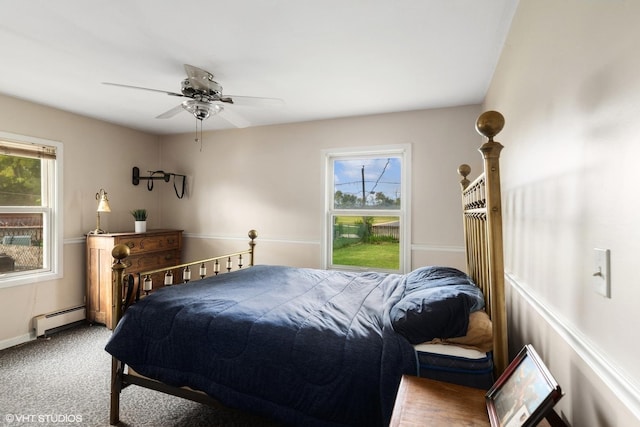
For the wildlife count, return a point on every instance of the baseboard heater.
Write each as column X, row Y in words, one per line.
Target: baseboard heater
column 49, row 321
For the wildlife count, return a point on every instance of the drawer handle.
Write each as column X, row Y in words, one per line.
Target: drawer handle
column 131, row 245
column 171, row 241
column 168, row 257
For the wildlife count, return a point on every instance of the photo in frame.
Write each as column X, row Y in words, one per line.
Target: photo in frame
column 524, row 393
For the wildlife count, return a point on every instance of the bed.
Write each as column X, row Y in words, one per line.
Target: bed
column 308, row 346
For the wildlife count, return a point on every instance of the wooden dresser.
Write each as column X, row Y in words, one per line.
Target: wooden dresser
column 150, row 250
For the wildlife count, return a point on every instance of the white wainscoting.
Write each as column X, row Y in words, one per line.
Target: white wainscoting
column 624, row 389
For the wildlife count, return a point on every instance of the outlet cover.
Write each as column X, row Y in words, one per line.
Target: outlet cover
column 602, row 272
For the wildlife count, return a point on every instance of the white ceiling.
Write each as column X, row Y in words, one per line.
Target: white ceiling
column 325, row 59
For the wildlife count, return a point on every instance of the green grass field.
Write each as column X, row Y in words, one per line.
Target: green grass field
column 380, row 255
column 350, row 249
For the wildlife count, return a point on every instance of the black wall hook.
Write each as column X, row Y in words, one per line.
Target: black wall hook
column 136, row 176
column 165, row 176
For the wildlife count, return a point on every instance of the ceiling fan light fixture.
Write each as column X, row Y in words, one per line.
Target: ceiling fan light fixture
column 201, row 113
column 201, row 110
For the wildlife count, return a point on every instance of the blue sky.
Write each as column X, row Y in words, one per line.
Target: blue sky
column 380, row 175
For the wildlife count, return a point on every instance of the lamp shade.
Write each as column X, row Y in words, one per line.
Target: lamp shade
column 103, row 202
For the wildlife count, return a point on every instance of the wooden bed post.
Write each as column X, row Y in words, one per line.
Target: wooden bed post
column 119, row 252
column 490, row 124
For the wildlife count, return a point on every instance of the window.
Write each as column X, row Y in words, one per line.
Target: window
column 30, row 210
column 366, row 209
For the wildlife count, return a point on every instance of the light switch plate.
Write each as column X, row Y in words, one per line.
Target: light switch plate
column 602, row 272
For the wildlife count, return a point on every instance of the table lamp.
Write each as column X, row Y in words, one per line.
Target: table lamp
column 103, row 206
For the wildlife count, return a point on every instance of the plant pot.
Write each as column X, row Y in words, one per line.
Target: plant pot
column 141, row 226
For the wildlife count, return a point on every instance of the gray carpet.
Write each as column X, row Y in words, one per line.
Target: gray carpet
column 64, row 380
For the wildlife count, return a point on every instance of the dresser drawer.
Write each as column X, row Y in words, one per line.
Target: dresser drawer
column 151, row 261
column 150, row 243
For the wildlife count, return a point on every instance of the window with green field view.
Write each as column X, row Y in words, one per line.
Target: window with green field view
column 365, row 210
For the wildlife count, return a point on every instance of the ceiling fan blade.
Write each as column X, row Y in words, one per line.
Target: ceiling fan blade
column 233, row 118
column 253, row 100
column 199, row 73
column 143, row 88
column 172, row 112
column 199, row 78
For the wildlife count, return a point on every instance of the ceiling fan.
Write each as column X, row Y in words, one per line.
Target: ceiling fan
column 205, row 98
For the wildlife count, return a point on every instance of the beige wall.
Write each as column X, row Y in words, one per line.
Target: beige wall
column 96, row 155
column 568, row 84
column 270, row 178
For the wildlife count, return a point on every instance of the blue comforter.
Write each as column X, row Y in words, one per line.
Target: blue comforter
column 304, row 346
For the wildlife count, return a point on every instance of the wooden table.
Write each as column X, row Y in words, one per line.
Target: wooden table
column 424, row 402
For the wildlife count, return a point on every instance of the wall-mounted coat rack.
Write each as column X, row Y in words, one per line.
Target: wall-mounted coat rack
column 155, row 175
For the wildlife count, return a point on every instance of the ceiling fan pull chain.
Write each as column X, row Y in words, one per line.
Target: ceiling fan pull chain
column 197, row 140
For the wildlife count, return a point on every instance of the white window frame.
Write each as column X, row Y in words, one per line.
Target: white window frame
column 51, row 210
column 403, row 151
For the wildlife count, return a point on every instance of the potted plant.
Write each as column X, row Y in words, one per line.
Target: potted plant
column 140, row 216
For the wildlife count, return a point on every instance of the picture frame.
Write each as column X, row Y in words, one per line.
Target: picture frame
column 524, row 394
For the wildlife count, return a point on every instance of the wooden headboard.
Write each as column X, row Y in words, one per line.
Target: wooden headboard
column 482, row 210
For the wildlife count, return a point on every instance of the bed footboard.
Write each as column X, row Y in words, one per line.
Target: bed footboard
column 130, row 285
column 186, row 272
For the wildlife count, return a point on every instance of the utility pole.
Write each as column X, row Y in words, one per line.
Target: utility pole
column 364, row 194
